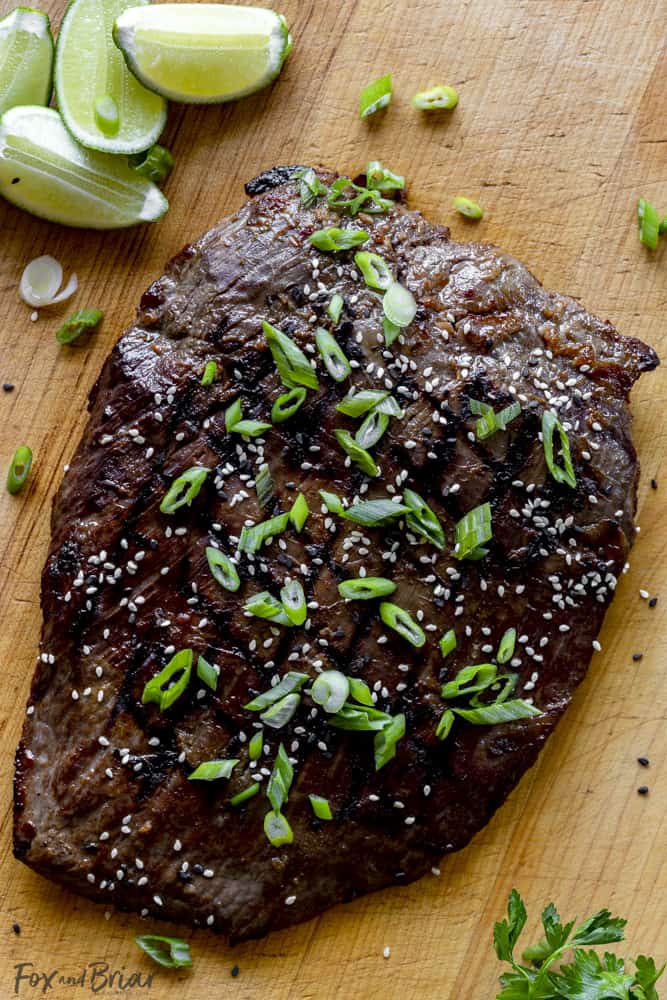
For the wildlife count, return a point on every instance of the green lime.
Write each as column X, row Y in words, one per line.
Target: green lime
column 26, row 58
column 102, row 104
column 203, row 53
column 44, row 171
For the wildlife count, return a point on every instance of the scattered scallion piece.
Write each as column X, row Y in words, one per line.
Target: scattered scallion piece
column 379, row 178
column 493, row 715
column 252, row 538
column 350, row 198
column 375, row 96
column 211, row 770
column 280, row 781
column 277, row 829
column 310, row 187
column 256, row 745
column 265, row 605
column 468, row 207
column 550, row 423
column 19, row 469
column 333, row 239
column 359, row 455
column 360, row 691
column 491, row 422
column 472, row 532
column 235, row 423
column 392, row 331
column 402, row 622
column 330, row 690
column 332, row 355
column 79, row 323
column 245, row 794
column 288, row 404
column 384, row 742
column 163, row 689
column 470, row 680
column 359, row 719
column 278, row 715
column 370, row 513
column 365, row 588
column 358, row 403
column 210, row 371
column 375, row 270
column 506, row 647
column 155, row 163
column 437, row 98
column 447, row 643
column 321, row 807
column 390, row 407
column 222, row 569
column 293, row 366
column 372, row 429
column 294, row 602
column 445, row 724
column 421, row 519
column 184, row 489
column 170, row 952
column 649, row 224
column 264, row 485
column 335, row 308
column 207, row 673
column 399, row 305
column 298, row 515
column 292, row 681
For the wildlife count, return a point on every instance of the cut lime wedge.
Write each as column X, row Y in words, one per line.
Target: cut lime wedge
column 203, row 53
column 102, row 104
column 26, row 58
column 44, row 171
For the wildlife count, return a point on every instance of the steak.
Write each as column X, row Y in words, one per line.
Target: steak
column 104, row 803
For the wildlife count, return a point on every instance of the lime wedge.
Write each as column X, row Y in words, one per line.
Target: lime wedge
column 102, row 104
column 26, row 58
column 203, row 53
column 44, row 171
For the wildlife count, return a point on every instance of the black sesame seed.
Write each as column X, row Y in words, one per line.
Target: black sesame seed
column 16, row 928
column 644, row 761
column 198, row 869
column 235, row 971
column 8, row 386
column 652, row 603
column 643, row 789
column 654, row 484
column 637, row 657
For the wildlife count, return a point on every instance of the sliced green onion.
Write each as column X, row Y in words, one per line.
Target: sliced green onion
column 332, row 355
column 171, row 952
column 163, row 689
column 469, row 680
column 280, row 781
column 330, row 690
column 292, row 681
column 293, row 366
column 310, row 187
column 335, row 308
column 321, row 807
column 358, row 403
column 375, row 96
column 359, row 719
column 264, row 485
column 359, row 455
column 375, row 270
column 360, row 691
column 391, row 331
column 294, row 602
column 184, row 489
column 501, row 689
column 437, row 98
column 403, row 623
column 333, row 239
column 299, row 512
column 252, row 538
column 287, row 405
column 245, row 794
column 265, row 605
column 365, row 588
column 370, row 513
column 492, row 715
column 384, row 742
column 379, row 178
column 372, row 429
column 155, row 163
column 211, row 370
column 106, row 115
column 506, row 647
column 550, row 423
column 233, row 414
column 399, row 305
column 278, row 715
column 19, row 469
column 343, row 199
column 211, row 770
column 467, row 207
column 223, row 569
column 256, row 745
column 235, row 424
column 422, row 520
column 491, row 422
column 332, row 502
column 472, row 532
column 649, row 224
column 445, row 724
column 662, row 228
column 447, row 644
column 277, row 829
column 81, row 322
column 207, row 673
column 390, row 407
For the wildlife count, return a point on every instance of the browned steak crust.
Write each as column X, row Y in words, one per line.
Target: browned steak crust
column 102, row 800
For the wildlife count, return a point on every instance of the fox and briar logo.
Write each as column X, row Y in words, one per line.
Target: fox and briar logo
column 94, row 977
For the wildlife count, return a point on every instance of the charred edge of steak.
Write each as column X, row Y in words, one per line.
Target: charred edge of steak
column 272, row 178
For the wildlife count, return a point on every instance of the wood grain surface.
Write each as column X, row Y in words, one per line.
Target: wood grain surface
column 562, row 123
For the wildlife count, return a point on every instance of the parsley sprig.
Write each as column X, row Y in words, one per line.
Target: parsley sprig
column 587, row 977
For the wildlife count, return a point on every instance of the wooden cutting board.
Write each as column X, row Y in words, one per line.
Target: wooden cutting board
column 562, row 123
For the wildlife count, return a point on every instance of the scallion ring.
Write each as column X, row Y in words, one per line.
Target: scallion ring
column 372, row 429
column 155, row 163
column 402, row 622
column 207, row 673
column 292, row 681
column 564, row 474
column 294, row 602
column 365, row 588
column 358, row 403
column 184, row 489
column 422, row 520
column 170, row 683
column 330, row 690
column 506, row 647
column 468, row 207
column 298, row 515
column 170, row 952
column 292, row 364
column 277, row 829
column 320, row 807
column 211, row 770
column 440, row 98
column 379, row 178
column 375, row 96
column 288, row 404
column 253, row 537
column 210, row 371
column 279, row 714
column 359, row 455
column 332, row 355
column 472, row 532
column 384, row 742
column 399, row 305
column 19, row 469
column 265, row 605
column 649, row 224
column 375, row 270
column 79, row 323
column 222, row 569
column 335, row 308
column 334, row 239
column 447, row 644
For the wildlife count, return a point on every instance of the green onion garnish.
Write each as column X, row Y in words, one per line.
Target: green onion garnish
column 379, row 178
column 384, row 742
column 207, row 673
column 292, row 681
column 506, row 647
column 210, row 372
column 422, row 520
column 247, row 793
column 365, row 588
column 374, row 269
column 403, row 623
column 437, row 98
column 445, row 724
column 287, row 405
column 292, row 364
column 359, row 719
column 358, row 403
column 492, row 715
column 235, row 423
column 256, row 745
column 399, row 305
column 330, row 690
column 19, row 469
column 332, row 355
column 550, row 423
column 491, row 422
column 222, row 569
column 252, row 538
column 467, row 207
column 662, row 228
column 184, row 489
column 649, row 224
column 163, row 689
column 278, row 715
column 265, row 605
column 81, row 322
column 280, row 781
column 335, row 308
column 391, row 331
column 264, row 485
column 310, row 187
column 337, row 239
column 447, row 644
column 298, row 515
column 321, row 807
column 360, row 691
column 470, row 680
column 390, row 407
column 359, row 455
column 372, row 429
column 277, row 829
column 294, row 602
column 370, row 513
column 171, row 952
column 375, row 96
column 155, row 163
column 211, row 770
column 342, row 199
column 472, row 532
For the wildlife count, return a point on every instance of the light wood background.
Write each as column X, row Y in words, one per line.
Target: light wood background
column 562, row 123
